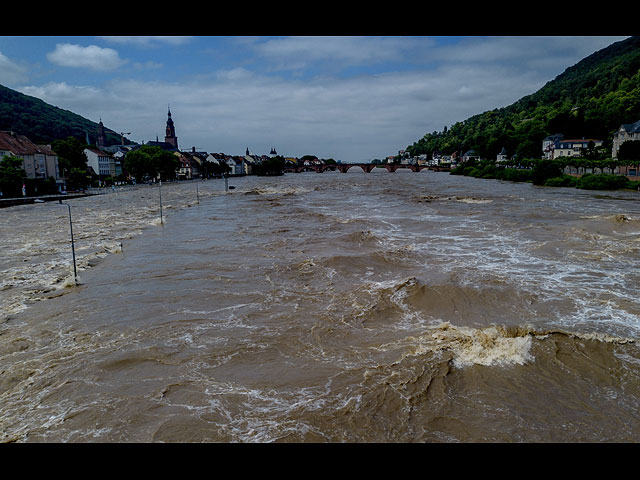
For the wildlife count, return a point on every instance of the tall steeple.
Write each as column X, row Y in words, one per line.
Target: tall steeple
column 170, row 136
column 101, row 140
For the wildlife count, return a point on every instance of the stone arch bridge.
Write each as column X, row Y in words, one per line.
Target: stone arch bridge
column 366, row 167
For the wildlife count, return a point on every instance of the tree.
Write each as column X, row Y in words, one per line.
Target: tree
column 72, row 162
column 544, row 170
column 70, row 153
column 138, row 164
column 11, row 176
column 78, row 179
column 630, row 151
column 151, row 161
column 528, row 149
column 273, row 166
column 166, row 163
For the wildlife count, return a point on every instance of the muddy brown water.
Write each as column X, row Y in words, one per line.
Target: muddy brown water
column 381, row 307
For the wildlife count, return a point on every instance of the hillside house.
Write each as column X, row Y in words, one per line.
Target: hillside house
column 502, row 156
column 626, row 132
column 548, row 145
column 572, row 148
column 470, row 155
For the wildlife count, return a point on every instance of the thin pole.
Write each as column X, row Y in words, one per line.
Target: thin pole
column 197, row 194
column 73, row 248
column 160, row 190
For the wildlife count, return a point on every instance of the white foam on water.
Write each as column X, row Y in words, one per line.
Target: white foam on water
column 480, row 346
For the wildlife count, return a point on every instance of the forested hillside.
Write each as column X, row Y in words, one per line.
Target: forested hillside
column 590, row 99
column 43, row 123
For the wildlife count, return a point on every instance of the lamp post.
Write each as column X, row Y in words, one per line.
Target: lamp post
column 160, row 191
column 73, row 248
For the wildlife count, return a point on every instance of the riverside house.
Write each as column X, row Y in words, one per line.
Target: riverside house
column 38, row 161
column 626, row 133
column 572, row 148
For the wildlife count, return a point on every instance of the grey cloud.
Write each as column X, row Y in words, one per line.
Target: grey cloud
column 344, row 118
column 11, row 71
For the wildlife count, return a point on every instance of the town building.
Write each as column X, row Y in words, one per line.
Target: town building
column 249, row 162
column 189, row 166
column 170, row 132
column 38, row 161
column 118, row 153
column 572, row 148
column 101, row 139
column 217, row 158
column 502, row 156
column 170, row 143
column 102, row 163
column 423, row 159
column 548, row 145
column 626, row 132
column 470, row 155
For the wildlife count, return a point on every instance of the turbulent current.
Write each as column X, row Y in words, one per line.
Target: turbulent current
column 355, row 307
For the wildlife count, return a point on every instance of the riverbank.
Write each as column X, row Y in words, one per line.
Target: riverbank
column 10, row 202
column 89, row 192
column 548, row 174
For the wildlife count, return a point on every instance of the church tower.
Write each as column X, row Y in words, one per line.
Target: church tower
column 170, row 136
column 101, row 140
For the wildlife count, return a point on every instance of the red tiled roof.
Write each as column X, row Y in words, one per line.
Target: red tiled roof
column 97, row 151
column 20, row 145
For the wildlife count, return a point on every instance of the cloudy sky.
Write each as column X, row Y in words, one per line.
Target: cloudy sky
column 348, row 98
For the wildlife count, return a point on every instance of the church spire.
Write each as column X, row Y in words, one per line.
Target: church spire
column 170, row 136
column 101, row 140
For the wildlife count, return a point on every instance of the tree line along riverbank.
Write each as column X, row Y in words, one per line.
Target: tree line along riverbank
column 549, row 173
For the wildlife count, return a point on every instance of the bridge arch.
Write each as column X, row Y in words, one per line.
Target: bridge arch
column 366, row 167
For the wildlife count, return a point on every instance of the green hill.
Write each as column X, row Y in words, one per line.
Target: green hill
column 590, row 99
column 42, row 123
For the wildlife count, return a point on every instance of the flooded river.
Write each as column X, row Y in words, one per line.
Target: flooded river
column 380, row 307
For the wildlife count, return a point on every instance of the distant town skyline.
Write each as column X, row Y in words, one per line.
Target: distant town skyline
column 348, row 98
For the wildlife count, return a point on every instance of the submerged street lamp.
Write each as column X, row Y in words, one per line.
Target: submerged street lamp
column 160, row 191
column 73, row 248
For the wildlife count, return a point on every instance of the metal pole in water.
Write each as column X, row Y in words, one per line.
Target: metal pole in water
column 197, row 194
column 160, row 190
column 73, row 248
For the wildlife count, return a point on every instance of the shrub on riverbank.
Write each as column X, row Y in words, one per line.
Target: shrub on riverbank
column 562, row 181
column 492, row 171
column 545, row 173
column 545, row 170
column 603, row 181
column 514, row 175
